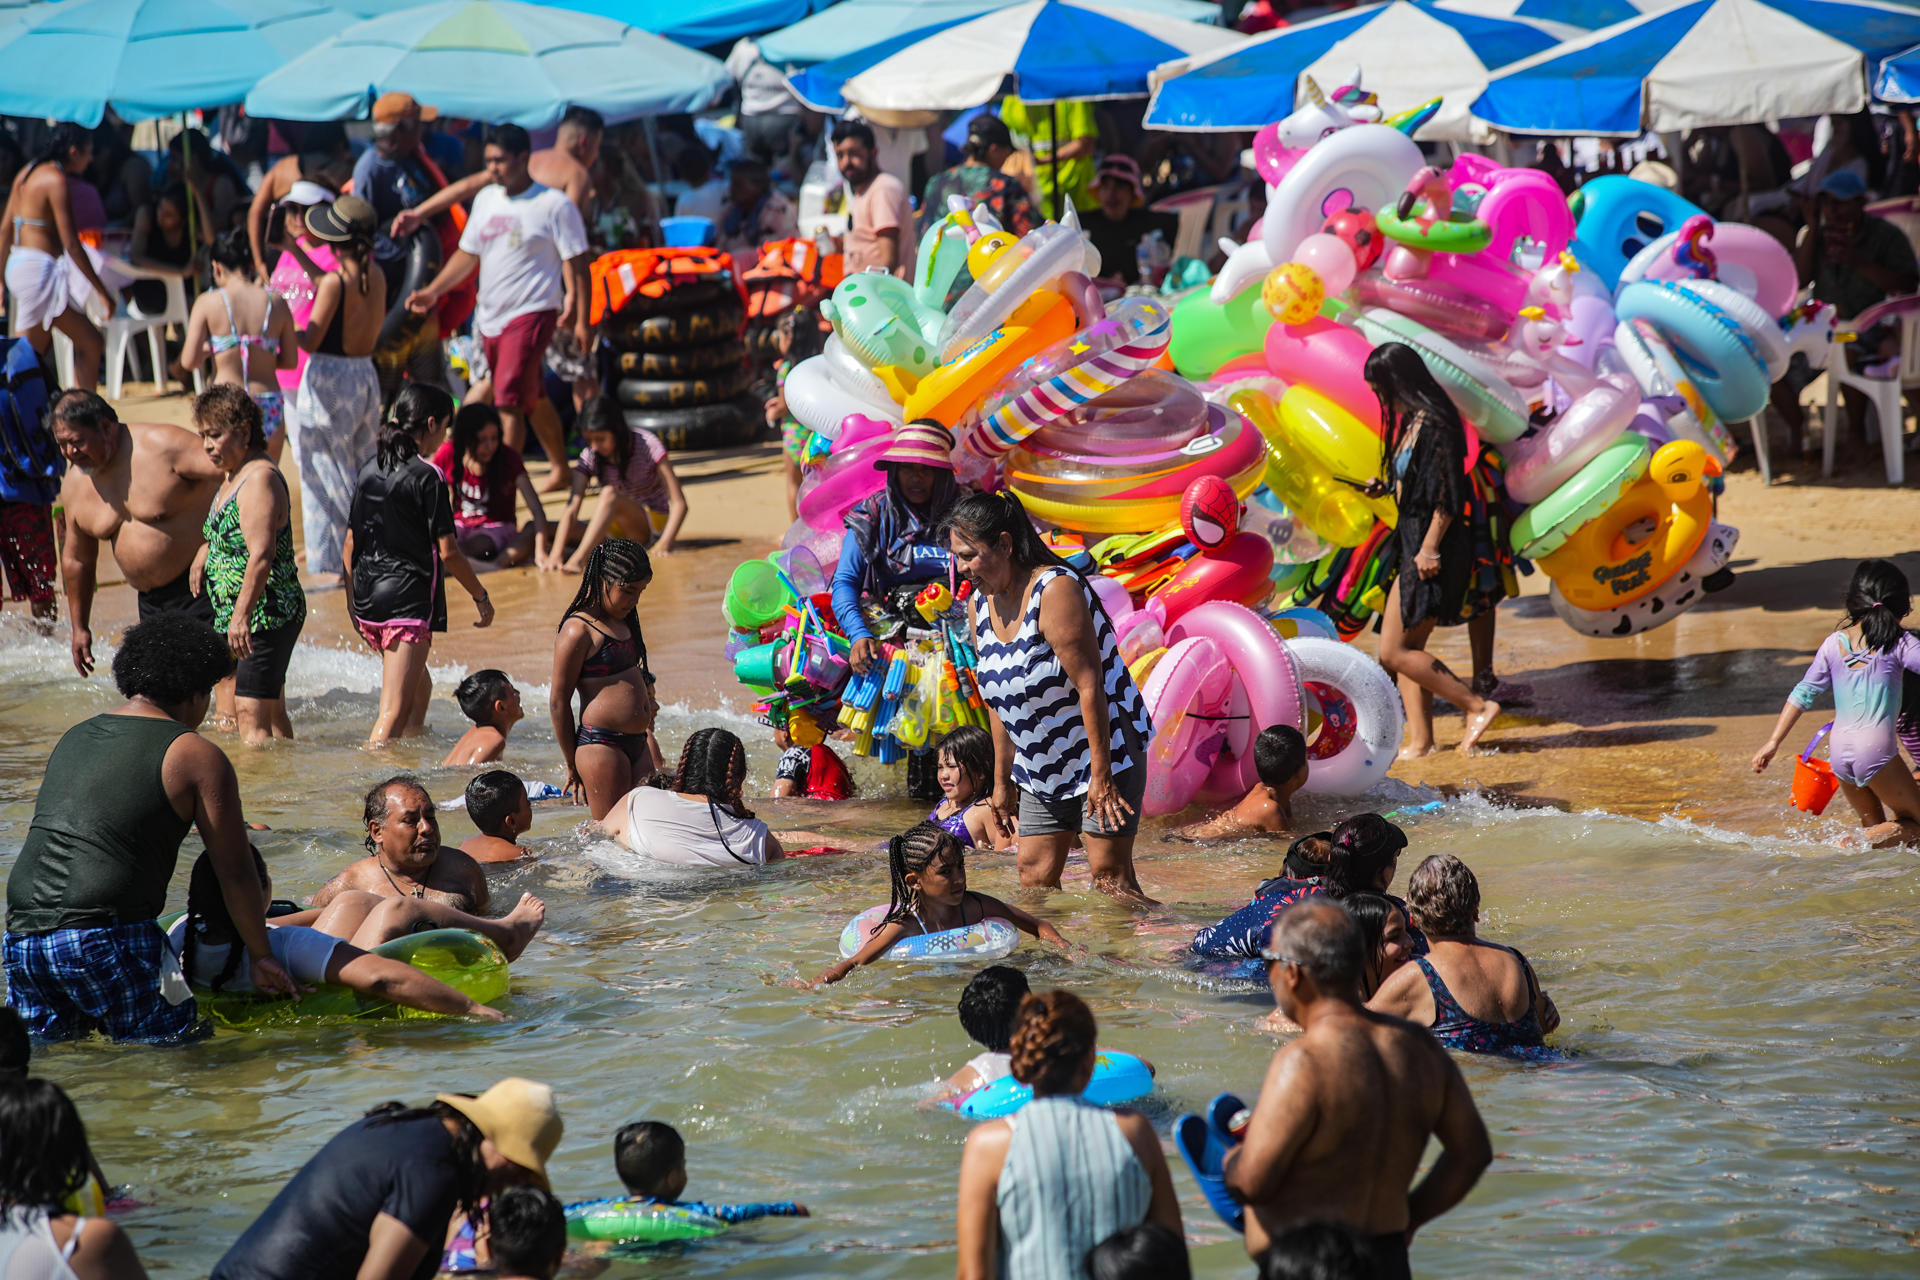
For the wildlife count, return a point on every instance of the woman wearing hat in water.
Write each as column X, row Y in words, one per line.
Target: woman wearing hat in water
column 338, row 408
column 375, row 1202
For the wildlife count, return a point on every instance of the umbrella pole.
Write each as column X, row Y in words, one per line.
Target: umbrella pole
column 1053, row 156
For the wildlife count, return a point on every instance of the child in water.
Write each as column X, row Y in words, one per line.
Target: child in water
column 809, row 773
column 965, row 773
column 498, row 805
column 526, row 1234
column 1863, row 664
column 1280, row 760
column 987, row 1007
column 601, row 656
column 488, row 699
column 928, row 869
column 651, row 1159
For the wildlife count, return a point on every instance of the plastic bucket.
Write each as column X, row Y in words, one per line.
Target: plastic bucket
column 1813, row 782
column 760, row 665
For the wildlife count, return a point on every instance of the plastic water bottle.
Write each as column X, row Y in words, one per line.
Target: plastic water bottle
column 1149, row 255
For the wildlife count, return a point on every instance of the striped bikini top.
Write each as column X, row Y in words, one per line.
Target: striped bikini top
column 1024, row 683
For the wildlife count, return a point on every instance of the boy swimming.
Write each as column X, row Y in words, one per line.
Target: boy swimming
column 498, row 805
column 1280, row 758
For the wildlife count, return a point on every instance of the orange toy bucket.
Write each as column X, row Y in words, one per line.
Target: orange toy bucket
column 1813, row 781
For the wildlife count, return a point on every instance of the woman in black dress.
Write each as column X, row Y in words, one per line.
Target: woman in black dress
column 1441, row 580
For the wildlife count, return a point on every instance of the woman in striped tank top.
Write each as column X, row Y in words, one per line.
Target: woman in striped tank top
column 1070, row 730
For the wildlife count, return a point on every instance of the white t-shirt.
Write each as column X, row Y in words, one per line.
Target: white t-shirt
column 523, row 243
column 667, row 827
column 304, row 953
column 708, row 200
column 991, row 1066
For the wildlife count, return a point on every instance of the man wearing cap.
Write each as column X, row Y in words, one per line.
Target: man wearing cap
column 530, row 246
column 1121, row 220
column 394, row 174
column 1348, row 1105
column 978, row 179
column 1853, row 260
column 376, row 1201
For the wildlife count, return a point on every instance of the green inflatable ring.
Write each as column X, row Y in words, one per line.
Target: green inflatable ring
column 1484, row 398
column 1448, row 235
column 638, row 1221
column 1207, row 334
column 467, row 962
column 1544, row 527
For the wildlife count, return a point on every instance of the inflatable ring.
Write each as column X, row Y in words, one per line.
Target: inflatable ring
column 1617, row 217
column 1437, row 235
column 1033, row 263
column 1360, row 714
column 963, row 381
column 1369, row 164
column 1518, row 202
column 1538, row 464
column 1645, row 354
column 820, row 397
column 1117, row 1078
column 678, row 364
column 1725, row 362
column 705, row 426
column 638, row 1221
column 881, row 321
column 1545, row 527
column 1187, row 693
column 1748, row 260
column 1081, row 367
column 465, row 961
column 1665, row 602
column 1483, row 397
column 1331, row 358
column 680, row 393
column 1769, row 341
column 1598, row 567
column 1434, row 304
column 1265, row 692
column 990, row 939
column 401, row 326
column 723, row 321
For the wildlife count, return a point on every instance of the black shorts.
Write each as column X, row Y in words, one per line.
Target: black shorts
column 176, row 597
column 263, row 673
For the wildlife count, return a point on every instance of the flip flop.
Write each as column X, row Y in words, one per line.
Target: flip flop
column 1203, row 1146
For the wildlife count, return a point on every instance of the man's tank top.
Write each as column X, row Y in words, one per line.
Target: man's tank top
column 105, row 838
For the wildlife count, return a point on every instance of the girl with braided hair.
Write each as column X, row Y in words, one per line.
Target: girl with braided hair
column 602, row 656
column 1036, row 1196
column 928, row 873
column 695, row 816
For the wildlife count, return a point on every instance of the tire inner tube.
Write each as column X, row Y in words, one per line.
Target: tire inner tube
column 423, row 263
column 676, row 393
column 720, row 322
column 706, row 426
column 678, row 364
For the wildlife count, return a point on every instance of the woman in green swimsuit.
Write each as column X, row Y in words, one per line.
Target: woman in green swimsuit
column 246, row 567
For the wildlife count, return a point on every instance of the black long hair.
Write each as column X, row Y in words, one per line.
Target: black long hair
column 467, row 425
column 232, row 251
column 63, row 138
column 913, row 852
column 207, row 913
column 415, row 410
column 983, row 517
column 713, row 763
column 602, row 414
column 1370, row 911
column 1877, row 599
column 44, row 1156
column 613, row 560
column 469, row 1166
column 1406, row 390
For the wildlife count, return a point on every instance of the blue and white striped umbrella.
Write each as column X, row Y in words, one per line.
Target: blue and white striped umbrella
column 1408, row 52
column 856, row 24
column 1899, row 78
column 1045, row 50
column 1577, row 15
column 1704, row 63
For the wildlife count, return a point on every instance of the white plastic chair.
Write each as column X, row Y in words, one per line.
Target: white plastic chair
column 1886, row 395
column 127, row 323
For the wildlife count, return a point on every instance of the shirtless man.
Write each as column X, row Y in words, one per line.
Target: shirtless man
column 142, row 488
column 1344, row 1114
column 325, row 157
column 403, row 832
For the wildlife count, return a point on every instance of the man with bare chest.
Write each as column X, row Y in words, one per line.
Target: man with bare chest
column 405, row 857
column 142, row 488
column 1347, row 1107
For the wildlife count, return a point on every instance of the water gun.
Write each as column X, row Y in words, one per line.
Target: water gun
column 933, row 600
column 859, row 700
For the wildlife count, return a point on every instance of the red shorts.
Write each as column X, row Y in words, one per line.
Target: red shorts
column 26, row 550
column 518, row 358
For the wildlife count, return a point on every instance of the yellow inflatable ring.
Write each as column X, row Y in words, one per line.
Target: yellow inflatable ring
column 963, row 382
column 1338, row 513
column 1600, row 568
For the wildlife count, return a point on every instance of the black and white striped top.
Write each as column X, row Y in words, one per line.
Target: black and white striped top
column 1022, row 680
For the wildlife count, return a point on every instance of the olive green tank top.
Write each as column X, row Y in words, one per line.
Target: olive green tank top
column 104, row 838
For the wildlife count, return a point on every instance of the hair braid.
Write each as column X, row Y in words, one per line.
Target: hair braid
column 1053, row 1035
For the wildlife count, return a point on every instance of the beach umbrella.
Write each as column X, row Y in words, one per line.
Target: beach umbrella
column 148, row 58
column 1045, row 50
column 858, row 24
column 700, row 24
column 496, row 60
column 1408, row 52
column 1899, row 78
column 1701, row 64
column 1578, row 15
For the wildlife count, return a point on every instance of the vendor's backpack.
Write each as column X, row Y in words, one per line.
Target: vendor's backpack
column 30, row 461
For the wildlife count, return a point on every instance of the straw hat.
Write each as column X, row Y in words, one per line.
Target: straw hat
column 925, row 442
column 518, row 1117
column 346, row 219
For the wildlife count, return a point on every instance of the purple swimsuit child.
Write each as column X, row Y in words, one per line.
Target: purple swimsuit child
column 1866, row 688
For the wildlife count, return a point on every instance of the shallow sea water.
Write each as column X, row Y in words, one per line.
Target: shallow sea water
column 1740, row 1013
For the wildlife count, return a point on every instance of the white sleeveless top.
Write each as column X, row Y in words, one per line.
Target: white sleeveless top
column 670, row 828
column 28, row 1250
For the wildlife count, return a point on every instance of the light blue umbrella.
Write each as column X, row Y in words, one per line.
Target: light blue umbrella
column 700, row 24
column 1044, row 50
column 1701, row 64
column 858, row 24
column 495, row 60
column 1408, row 52
column 148, row 58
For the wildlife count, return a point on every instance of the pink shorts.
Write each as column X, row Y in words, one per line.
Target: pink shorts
column 387, row 635
column 518, row 359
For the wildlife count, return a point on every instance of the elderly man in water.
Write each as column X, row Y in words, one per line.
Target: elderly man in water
column 142, row 488
column 1344, row 1114
column 406, row 862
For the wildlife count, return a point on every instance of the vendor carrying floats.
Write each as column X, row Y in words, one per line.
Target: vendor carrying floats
column 894, row 548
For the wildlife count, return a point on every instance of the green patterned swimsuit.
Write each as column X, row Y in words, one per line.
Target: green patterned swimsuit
column 282, row 603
